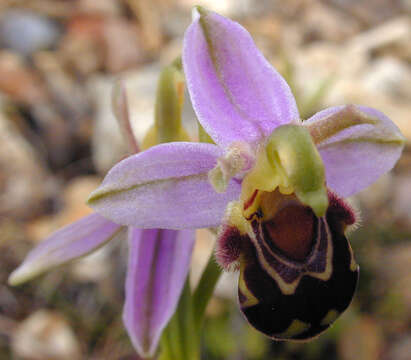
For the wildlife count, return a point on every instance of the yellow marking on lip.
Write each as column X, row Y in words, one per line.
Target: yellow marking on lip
column 327, row 273
column 353, row 263
column 289, row 288
column 251, row 300
column 331, row 316
column 234, row 217
column 296, row 327
column 286, row 288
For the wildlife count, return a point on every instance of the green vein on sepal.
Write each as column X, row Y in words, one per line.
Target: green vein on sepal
column 98, row 195
column 363, row 139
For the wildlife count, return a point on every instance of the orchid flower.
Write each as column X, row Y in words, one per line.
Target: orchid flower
column 158, row 263
column 275, row 184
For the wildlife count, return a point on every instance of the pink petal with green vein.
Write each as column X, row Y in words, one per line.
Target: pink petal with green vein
column 159, row 261
column 69, row 243
column 236, row 93
column 165, row 186
column 358, row 144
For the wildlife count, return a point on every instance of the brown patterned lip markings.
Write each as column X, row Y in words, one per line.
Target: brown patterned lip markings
column 297, row 271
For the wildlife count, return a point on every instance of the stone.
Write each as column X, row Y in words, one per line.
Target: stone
column 402, row 198
column 45, row 335
column 108, row 145
column 390, row 77
column 27, row 32
column 361, row 339
column 396, row 30
column 102, row 7
column 18, row 81
column 400, row 349
column 73, row 201
column 25, row 183
column 323, row 22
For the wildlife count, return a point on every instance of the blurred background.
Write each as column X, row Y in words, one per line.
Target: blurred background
column 58, row 60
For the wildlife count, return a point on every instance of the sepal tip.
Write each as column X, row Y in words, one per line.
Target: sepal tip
column 23, row 274
column 197, row 11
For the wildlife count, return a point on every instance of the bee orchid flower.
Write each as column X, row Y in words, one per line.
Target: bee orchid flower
column 275, row 183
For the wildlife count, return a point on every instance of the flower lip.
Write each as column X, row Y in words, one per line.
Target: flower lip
column 296, row 296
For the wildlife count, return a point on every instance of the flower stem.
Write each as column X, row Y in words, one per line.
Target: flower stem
column 205, row 289
column 179, row 339
column 169, row 104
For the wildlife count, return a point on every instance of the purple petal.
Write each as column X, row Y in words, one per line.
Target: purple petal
column 159, row 261
column 236, row 93
column 164, row 187
column 357, row 144
column 70, row 242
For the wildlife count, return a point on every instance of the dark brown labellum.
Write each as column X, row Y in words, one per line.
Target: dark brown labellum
column 295, row 290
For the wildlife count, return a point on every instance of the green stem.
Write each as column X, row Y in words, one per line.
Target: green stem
column 205, row 289
column 169, row 104
column 179, row 339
